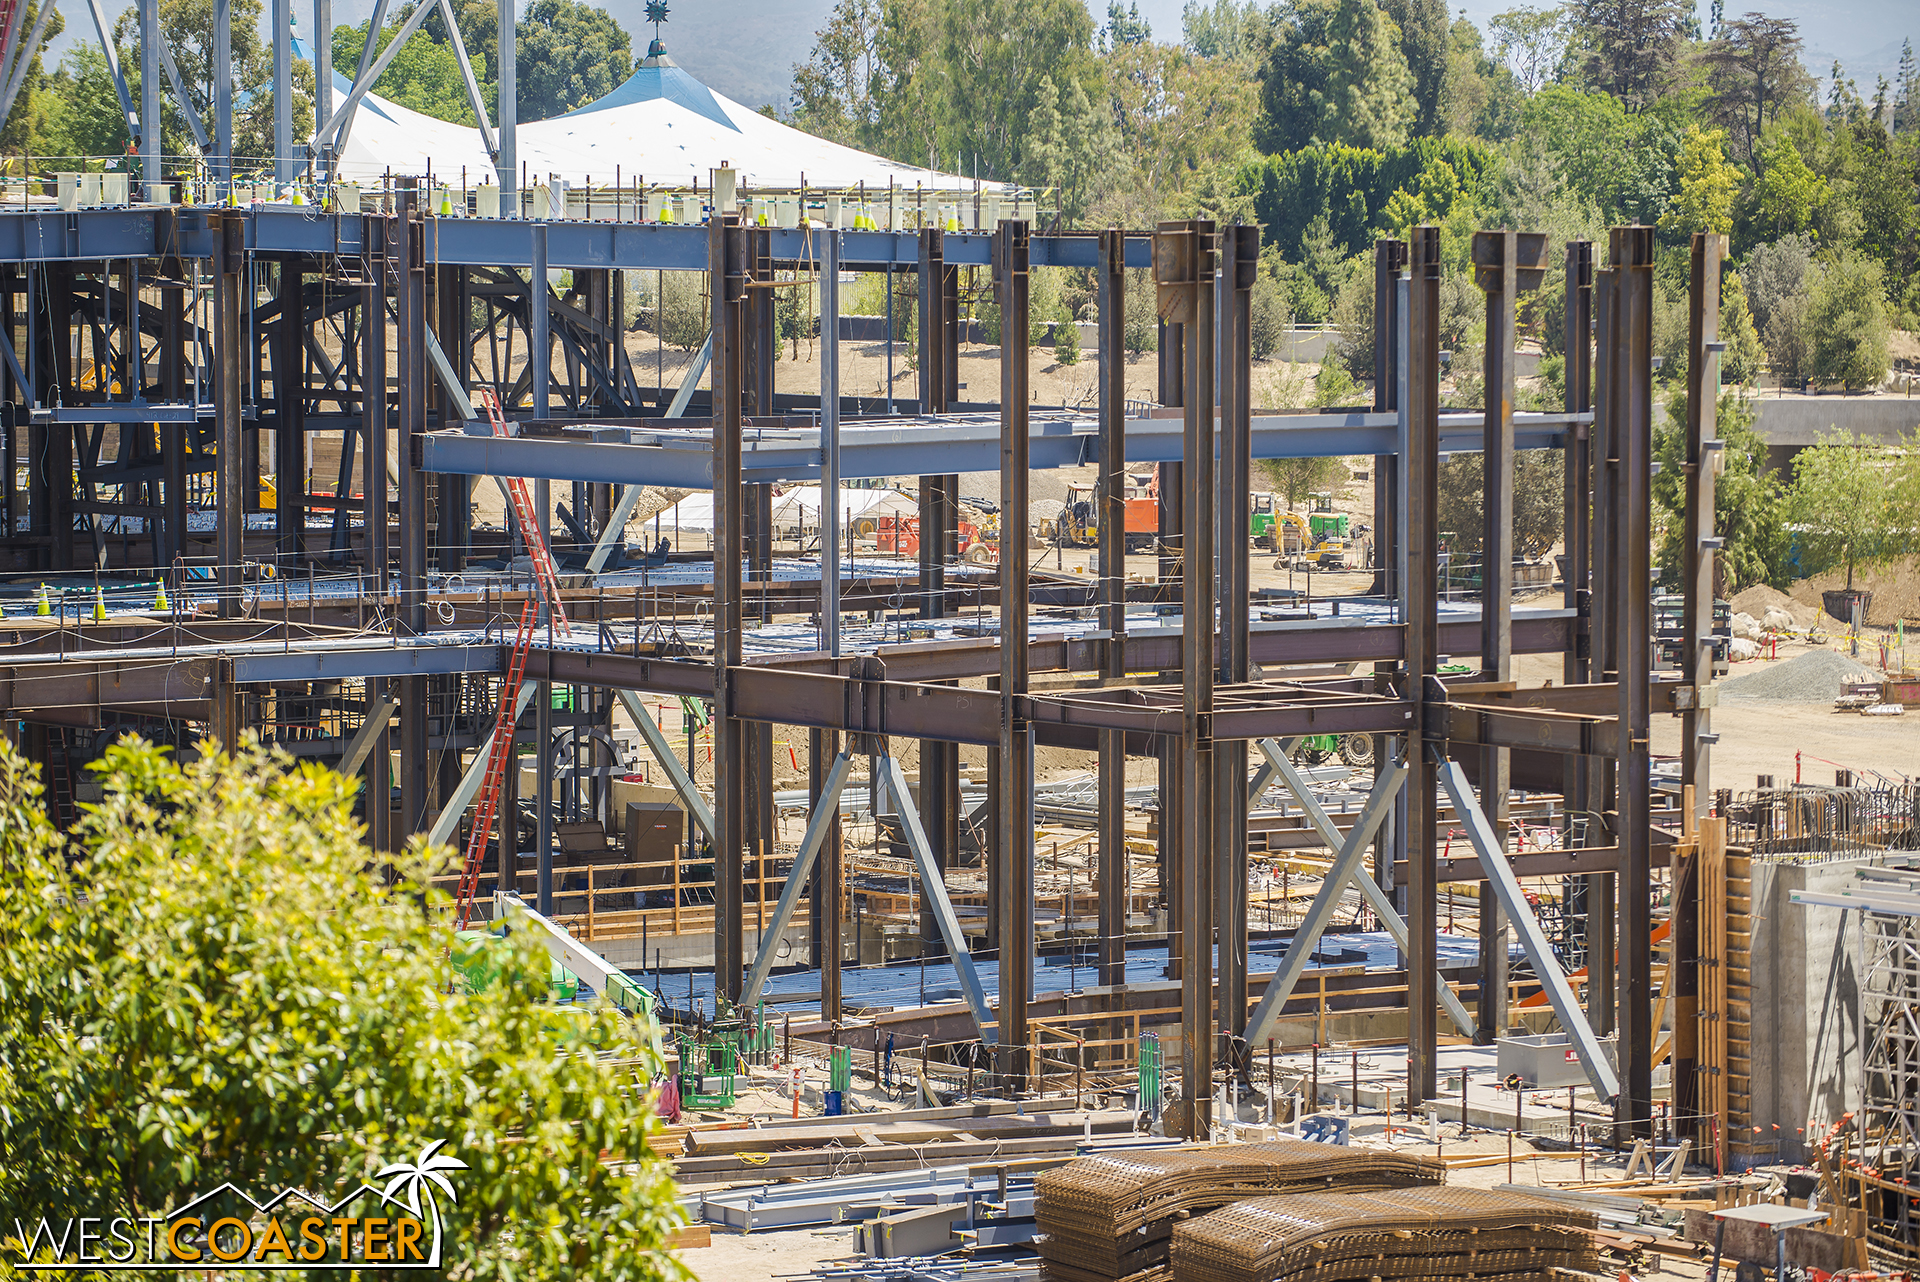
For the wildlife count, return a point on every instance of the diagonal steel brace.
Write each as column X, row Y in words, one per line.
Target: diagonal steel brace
column 817, row 825
column 1546, row 967
column 1390, row 918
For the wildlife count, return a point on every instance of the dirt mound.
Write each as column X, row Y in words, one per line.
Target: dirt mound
column 1814, row 677
column 1760, row 598
column 1895, row 585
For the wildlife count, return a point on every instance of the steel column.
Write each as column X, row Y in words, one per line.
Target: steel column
column 1632, row 256
column 150, row 131
column 1421, row 535
column 1603, row 574
column 407, row 252
column 229, row 390
column 1112, row 516
column 1013, row 896
column 1239, row 266
column 289, row 431
column 728, row 251
column 507, row 112
column 1184, row 259
column 1696, row 659
column 1496, row 261
column 829, row 246
column 281, row 36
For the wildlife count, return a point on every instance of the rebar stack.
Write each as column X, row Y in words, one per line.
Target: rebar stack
column 1411, row 1233
column 1110, row 1216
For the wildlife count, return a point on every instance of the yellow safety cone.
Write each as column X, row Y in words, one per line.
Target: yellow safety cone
column 295, row 197
column 446, row 204
column 160, row 598
column 99, row 606
column 43, row 605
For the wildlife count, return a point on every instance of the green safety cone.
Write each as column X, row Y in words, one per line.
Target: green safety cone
column 295, row 197
column 160, row 598
column 446, row 204
column 99, row 606
column 42, row 605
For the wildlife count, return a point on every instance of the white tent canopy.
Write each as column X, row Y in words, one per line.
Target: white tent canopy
column 661, row 128
column 798, row 507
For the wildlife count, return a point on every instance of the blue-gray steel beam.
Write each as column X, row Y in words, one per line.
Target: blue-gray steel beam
column 323, row 64
column 507, row 75
column 151, row 43
column 1306, row 937
column 829, row 443
column 282, row 18
column 223, row 97
column 933, row 888
column 369, row 661
column 644, row 456
column 182, row 99
column 818, row 824
column 466, row 76
column 1546, row 968
column 112, row 53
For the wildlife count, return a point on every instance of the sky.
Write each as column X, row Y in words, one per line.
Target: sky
column 746, row 48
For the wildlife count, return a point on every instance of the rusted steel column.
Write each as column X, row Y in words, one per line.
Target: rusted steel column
column 1239, row 263
column 1113, row 600
column 729, row 264
column 1169, row 491
column 1422, row 474
column 1014, row 892
column 229, row 388
column 1184, row 261
column 1632, row 255
column 1696, row 660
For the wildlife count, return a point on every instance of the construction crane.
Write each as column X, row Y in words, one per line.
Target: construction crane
column 500, row 756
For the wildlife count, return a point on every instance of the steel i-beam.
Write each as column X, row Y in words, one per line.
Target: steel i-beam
column 1014, row 818
column 728, row 255
column 1113, row 606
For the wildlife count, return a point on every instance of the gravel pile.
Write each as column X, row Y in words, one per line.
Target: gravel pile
column 1814, row 677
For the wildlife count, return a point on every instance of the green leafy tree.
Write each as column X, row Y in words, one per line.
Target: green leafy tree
column 188, row 28
column 1071, row 147
column 213, row 980
column 1335, row 74
column 1531, row 42
column 1620, row 163
column 1425, row 43
column 1744, row 357
column 1236, row 30
column 1753, row 69
column 1293, row 479
column 86, row 125
column 30, row 126
column 424, row 76
column 570, row 54
column 1125, row 26
column 1747, row 508
column 1843, row 504
column 1708, row 185
column 1847, row 317
column 1538, row 519
column 1632, row 46
column 1178, row 116
column 1786, row 193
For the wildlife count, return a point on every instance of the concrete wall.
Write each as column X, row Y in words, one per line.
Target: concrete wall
column 1791, row 423
column 1806, row 1006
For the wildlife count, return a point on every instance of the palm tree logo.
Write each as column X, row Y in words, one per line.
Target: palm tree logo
column 419, row 1178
